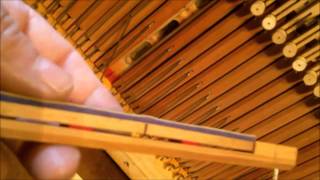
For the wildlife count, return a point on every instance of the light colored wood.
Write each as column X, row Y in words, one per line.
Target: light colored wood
column 291, row 49
column 283, row 7
column 70, row 118
column 305, row 153
column 265, row 154
column 213, row 140
column 314, row 148
column 299, row 4
column 280, row 35
column 268, row 130
column 302, row 61
column 270, row 21
column 258, row 8
column 311, row 77
column 134, row 128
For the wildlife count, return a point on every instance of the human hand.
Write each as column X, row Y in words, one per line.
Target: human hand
column 36, row 61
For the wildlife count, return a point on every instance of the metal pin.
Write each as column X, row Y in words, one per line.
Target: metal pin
column 275, row 174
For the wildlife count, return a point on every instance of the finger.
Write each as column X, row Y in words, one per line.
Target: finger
column 23, row 70
column 102, row 98
column 87, row 88
column 84, row 81
column 51, row 161
column 19, row 13
column 45, row 39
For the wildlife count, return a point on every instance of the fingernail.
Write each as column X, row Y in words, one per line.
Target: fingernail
column 53, row 76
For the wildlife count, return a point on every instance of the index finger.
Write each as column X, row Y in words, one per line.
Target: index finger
column 44, row 38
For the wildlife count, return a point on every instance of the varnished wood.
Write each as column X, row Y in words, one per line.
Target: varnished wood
column 217, row 11
column 201, row 73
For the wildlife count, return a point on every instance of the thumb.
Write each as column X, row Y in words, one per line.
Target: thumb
column 23, row 70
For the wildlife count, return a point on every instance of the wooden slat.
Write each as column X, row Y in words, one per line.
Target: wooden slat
column 143, row 11
column 76, row 11
column 299, row 141
column 218, row 51
column 313, row 176
column 236, row 58
column 115, row 15
column 50, row 115
column 93, row 17
column 302, row 170
column 263, row 112
column 292, row 128
column 230, row 115
column 211, row 38
column 217, row 88
column 276, row 156
column 180, row 39
column 145, row 29
column 240, row 91
column 296, row 127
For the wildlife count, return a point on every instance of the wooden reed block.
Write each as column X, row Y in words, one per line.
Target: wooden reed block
column 51, row 115
column 265, row 154
column 68, row 114
column 180, row 134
